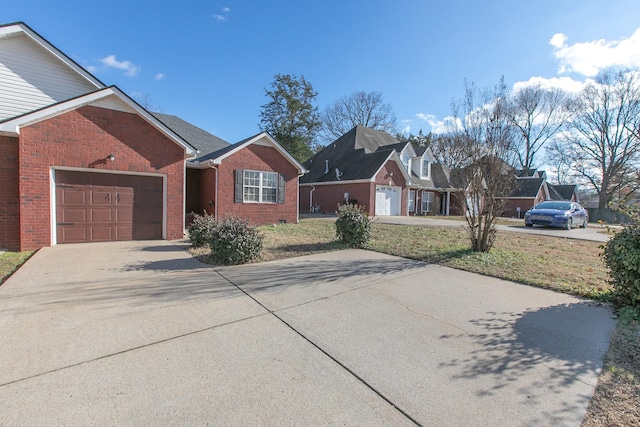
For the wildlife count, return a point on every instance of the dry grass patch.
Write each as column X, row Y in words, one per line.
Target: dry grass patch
column 10, row 262
column 282, row 241
column 565, row 265
column 616, row 401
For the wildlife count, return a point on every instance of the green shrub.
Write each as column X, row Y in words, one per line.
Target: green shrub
column 353, row 226
column 233, row 242
column 622, row 257
column 200, row 229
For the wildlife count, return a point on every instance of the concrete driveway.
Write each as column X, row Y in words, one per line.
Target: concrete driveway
column 139, row 333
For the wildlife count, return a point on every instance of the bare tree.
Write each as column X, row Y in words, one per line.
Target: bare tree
column 359, row 108
column 450, row 150
column 537, row 114
column 600, row 143
column 559, row 164
column 146, row 101
column 483, row 134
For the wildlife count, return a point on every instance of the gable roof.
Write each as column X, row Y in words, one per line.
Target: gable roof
column 439, row 179
column 35, row 73
column 204, row 141
column 562, row 192
column 262, row 138
column 20, row 28
column 357, row 155
column 12, row 126
column 528, row 187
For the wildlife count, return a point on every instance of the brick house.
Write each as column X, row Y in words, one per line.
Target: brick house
column 80, row 161
column 83, row 162
column 373, row 169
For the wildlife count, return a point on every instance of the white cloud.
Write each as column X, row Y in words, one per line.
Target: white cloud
column 159, row 76
column 437, row 126
column 565, row 83
column 558, row 40
column 222, row 17
column 111, row 62
column 589, row 58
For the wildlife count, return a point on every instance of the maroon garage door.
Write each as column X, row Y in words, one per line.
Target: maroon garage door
column 99, row 207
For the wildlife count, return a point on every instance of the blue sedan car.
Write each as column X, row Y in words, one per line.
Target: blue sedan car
column 557, row 214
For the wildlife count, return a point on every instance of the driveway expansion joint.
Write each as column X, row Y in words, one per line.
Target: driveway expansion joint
column 128, row 350
column 316, row 346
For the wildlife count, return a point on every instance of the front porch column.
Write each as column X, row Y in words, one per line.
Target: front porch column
column 448, row 203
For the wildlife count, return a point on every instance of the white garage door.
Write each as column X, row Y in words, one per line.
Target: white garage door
column 388, row 200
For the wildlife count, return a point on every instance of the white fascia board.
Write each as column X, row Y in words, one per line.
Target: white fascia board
column 12, row 127
column 201, row 165
column 395, row 157
column 23, row 28
column 412, row 151
column 261, row 137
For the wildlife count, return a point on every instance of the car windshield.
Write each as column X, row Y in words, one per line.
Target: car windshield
column 561, row 206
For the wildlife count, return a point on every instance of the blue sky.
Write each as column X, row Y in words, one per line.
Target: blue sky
column 210, row 61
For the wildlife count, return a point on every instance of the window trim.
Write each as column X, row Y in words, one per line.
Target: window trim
column 426, row 201
column 425, row 173
column 240, row 186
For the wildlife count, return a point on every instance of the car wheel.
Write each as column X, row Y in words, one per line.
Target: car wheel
column 569, row 225
column 528, row 225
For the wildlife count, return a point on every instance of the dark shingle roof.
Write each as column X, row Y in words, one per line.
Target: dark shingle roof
column 561, row 192
column 358, row 154
column 440, row 178
column 528, row 187
column 526, row 173
column 205, row 142
column 229, row 147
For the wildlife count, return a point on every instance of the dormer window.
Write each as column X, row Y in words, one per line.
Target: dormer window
column 426, row 168
column 406, row 159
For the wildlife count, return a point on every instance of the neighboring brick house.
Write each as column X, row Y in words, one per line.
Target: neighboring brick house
column 373, row 169
column 255, row 179
column 80, row 161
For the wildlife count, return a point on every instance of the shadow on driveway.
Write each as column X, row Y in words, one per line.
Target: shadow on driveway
column 555, row 337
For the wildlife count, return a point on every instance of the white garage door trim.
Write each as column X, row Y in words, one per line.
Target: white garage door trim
column 388, row 200
column 53, row 203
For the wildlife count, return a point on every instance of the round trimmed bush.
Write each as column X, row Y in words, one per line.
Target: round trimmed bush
column 233, row 241
column 353, row 226
column 200, row 229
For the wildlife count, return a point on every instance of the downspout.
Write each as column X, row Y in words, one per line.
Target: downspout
column 184, row 199
column 313, row 188
column 215, row 208
column 298, row 199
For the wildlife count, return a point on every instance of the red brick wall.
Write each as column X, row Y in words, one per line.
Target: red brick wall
column 258, row 158
column 330, row 196
column 9, row 195
column 82, row 139
column 510, row 209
